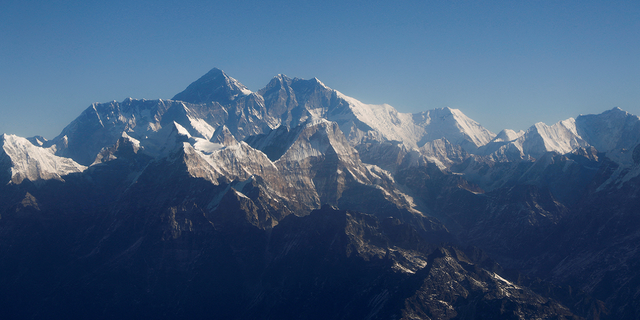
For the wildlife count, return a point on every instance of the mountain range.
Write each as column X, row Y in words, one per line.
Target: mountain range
column 297, row 201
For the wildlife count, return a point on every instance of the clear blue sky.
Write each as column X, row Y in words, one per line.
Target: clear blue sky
column 506, row 64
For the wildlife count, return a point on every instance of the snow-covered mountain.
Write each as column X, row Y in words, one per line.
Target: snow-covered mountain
column 561, row 137
column 22, row 160
column 214, row 116
column 213, row 86
column 228, row 132
column 614, row 132
column 217, row 100
column 293, row 101
column 251, row 183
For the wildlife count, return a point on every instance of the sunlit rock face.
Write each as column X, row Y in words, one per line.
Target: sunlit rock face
column 297, row 201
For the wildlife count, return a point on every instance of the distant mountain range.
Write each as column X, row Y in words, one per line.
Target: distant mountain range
column 297, row 201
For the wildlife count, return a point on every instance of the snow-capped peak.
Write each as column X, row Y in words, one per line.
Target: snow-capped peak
column 614, row 131
column 223, row 136
column 561, row 137
column 507, row 135
column 414, row 130
column 216, row 86
column 35, row 163
column 320, row 83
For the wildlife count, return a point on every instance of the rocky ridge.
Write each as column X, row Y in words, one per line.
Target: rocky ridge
column 297, row 190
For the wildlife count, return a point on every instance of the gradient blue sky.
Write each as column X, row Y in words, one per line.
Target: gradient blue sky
column 506, row 64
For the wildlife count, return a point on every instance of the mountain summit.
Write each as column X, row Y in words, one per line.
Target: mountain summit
column 213, row 86
column 278, row 203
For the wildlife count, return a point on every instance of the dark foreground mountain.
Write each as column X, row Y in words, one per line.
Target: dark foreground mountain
column 297, row 201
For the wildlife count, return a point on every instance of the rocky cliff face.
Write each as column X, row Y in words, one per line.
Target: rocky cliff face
column 298, row 201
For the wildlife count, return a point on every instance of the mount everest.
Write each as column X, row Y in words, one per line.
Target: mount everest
column 216, row 99
column 233, row 189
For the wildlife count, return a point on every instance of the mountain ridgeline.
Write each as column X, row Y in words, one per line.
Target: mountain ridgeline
column 297, row 201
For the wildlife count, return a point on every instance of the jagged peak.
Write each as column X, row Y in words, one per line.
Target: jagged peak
column 311, row 83
column 507, row 135
column 181, row 130
column 567, row 123
column 448, row 110
column 317, row 82
column 280, row 80
column 616, row 110
column 613, row 113
column 538, row 126
column 453, row 122
column 320, row 82
column 134, row 142
column 125, row 145
column 223, row 136
column 34, row 162
column 216, row 86
column 316, row 137
column 166, row 141
column 451, row 112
